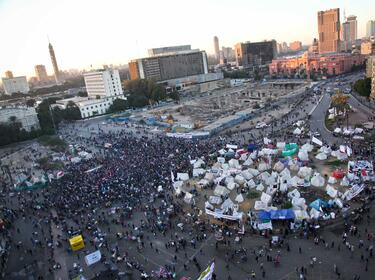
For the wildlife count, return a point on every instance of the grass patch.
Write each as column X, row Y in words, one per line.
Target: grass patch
column 252, row 194
column 336, row 163
column 46, row 164
column 53, row 142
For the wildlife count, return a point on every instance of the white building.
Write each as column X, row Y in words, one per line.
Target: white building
column 103, row 87
column 103, row 83
column 16, row 84
column 27, row 116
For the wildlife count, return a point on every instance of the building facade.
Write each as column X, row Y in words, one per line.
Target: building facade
column 41, row 73
column 217, row 47
column 54, row 63
column 15, row 84
column 329, row 31
column 228, row 53
column 368, row 48
column 168, row 50
column 167, row 67
column 103, row 88
column 369, row 63
column 27, row 116
column 295, row 46
column 103, row 83
column 372, row 95
column 326, row 64
column 370, row 28
column 348, row 33
column 255, row 54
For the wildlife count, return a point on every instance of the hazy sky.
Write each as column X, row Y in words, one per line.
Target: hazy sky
column 85, row 32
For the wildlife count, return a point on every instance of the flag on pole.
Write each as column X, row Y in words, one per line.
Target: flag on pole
column 207, row 273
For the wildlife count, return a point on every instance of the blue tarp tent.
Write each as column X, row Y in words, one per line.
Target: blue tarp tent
column 264, row 215
column 251, row 148
column 317, row 204
column 282, row 214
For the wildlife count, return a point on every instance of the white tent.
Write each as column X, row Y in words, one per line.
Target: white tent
column 231, row 186
column 214, row 199
column 209, row 177
column 331, row 191
column 303, row 155
column 221, row 160
column 233, row 163
column 301, row 215
column 263, row 166
column 227, row 204
column 188, row 197
column 247, row 175
column 198, row 171
column 294, row 193
column 202, row 183
column 265, row 198
column 220, row 190
column 182, row 176
column 260, row 187
column 177, row 185
column 297, row 131
column 307, row 147
column 239, row 180
column 280, row 145
column 317, row 180
column 321, row 156
column 296, row 181
column 305, row 172
column 279, row 166
column 332, row 180
column 248, row 162
column 239, row 198
column 299, row 203
column 254, row 172
column 337, row 130
column 251, row 184
column 198, row 163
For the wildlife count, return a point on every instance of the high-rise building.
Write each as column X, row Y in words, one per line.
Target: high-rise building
column 217, row 47
column 349, row 32
column 168, row 50
column 368, row 48
column 41, row 73
column 228, row 53
column 15, row 85
column 255, row 54
column 314, row 48
column 329, row 31
column 372, row 95
column 103, row 83
column 9, row 74
column 295, row 46
column 54, row 63
column 369, row 63
column 167, row 67
column 370, row 28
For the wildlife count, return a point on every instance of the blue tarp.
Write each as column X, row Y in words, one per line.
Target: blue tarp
column 251, row 148
column 318, row 203
column 282, row 214
column 264, row 215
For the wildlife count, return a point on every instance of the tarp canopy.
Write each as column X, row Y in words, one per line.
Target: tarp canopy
column 290, row 149
column 280, row 214
column 251, row 147
column 317, row 204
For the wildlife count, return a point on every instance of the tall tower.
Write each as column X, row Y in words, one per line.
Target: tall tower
column 329, row 30
column 54, row 63
column 216, row 47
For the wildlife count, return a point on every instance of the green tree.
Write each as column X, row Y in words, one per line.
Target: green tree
column 82, row 94
column 72, row 112
column 118, row 106
column 363, row 87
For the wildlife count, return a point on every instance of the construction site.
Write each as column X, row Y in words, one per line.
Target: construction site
column 219, row 108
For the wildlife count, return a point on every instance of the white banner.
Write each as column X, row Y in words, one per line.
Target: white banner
column 92, row 258
column 317, row 141
column 354, row 191
column 207, row 273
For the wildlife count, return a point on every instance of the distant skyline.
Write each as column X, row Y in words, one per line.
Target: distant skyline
column 93, row 32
